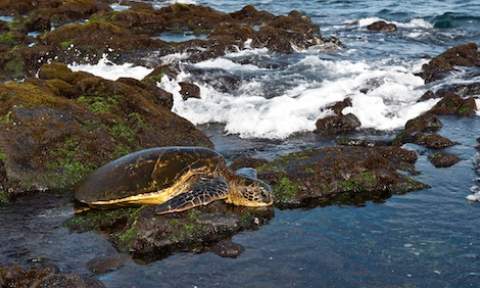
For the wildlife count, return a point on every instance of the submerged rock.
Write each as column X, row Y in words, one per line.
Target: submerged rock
column 462, row 55
column 382, row 26
column 337, row 124
column 52, row 134
column 442, row 159
column 15, row 276
column 228, row 249
column 104, row 264
column 345, row 174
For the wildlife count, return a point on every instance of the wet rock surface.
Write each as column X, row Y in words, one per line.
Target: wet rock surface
column 443, row 159
column 58, row 128
column 433, row 141
column 463, row 55
column 86, row 30
column 382, row 26
column 189, row 90
column 147, row 236
column 452, row 104
column 337, row 124
column 15, row 276
column 345, row 174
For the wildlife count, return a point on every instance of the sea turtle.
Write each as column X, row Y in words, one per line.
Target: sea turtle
column 174, row 178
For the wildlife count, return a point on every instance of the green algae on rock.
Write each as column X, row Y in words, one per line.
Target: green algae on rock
column 54, row 139
column 148, row 236
column 339, row 174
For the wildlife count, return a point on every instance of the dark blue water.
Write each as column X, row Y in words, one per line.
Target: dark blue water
column 428, row 238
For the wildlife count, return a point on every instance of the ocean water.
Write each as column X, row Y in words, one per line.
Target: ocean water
column 428, row 238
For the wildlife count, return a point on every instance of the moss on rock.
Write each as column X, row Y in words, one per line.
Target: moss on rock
column 349, row 174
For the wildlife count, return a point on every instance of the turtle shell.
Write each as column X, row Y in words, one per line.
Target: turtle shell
column 145, row 171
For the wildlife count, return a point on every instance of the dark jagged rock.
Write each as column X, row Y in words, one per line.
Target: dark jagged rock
column 51, row 139
column 148, row 236
column 433, row 141
column 442, row 159
column 104, row 264
column 228, row 249
column 337, row 124
column 127, row 36
column 426, row 122
column 189, row 90
column 452, row 104
column 463, row 90
column 338, row 107
column 345, row 174
column 15, row 276
column 462, row 55
column 427, row 96
column 382, row 26
column 157, row 74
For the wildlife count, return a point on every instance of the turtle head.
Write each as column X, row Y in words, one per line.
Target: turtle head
column 247, row 191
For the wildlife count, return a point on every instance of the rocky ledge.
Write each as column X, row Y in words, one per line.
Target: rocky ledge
column 56, row 129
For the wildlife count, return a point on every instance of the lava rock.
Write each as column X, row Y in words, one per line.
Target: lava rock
column 452, row 104
column 426, row 122
column 382, row 26
column 433, row 141
column 337, row 124
column 338, row 107
column 148, row 236
column 52, row 139
column 442, row 159
column 228, row 249
column 189, row 90
column 339, row 174
column 463, row 55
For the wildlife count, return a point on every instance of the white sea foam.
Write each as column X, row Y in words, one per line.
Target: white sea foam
column 182, row 1
column 108, row 70
column 174, row 57
column 414, row 23
column 387, row 105
column 119, row 7
column 226, row 64
column 474, row 197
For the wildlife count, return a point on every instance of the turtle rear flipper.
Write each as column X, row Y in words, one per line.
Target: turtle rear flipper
column 202, row 192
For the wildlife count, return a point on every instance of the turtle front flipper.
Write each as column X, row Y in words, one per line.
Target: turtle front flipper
column 204, row 191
